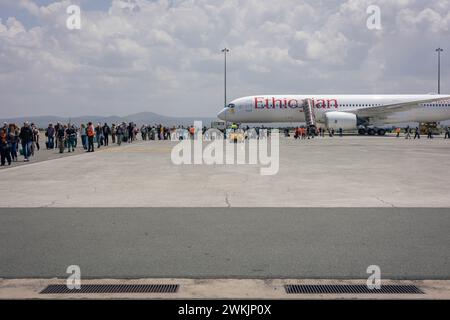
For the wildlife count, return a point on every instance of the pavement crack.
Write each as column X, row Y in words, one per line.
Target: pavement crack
column 385, row 202
column 227, row 201
column 51, row 204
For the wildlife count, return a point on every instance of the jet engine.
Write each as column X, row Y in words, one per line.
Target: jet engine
column 346, row 121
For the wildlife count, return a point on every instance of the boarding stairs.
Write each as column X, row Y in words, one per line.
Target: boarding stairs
column 310, row 117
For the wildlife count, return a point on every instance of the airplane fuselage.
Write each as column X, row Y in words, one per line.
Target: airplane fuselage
column 288, row 108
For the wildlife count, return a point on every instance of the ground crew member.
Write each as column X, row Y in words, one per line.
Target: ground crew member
column 303, row 133
column 192, row 132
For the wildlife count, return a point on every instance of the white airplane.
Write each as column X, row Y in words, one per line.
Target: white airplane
column 365, row 112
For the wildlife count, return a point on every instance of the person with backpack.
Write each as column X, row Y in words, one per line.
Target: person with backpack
column 60, row 137
column 71, row 137
column 35, row 145
column 56, row 130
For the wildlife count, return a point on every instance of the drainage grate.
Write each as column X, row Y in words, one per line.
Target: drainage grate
column 350, row 289
column 112, row 288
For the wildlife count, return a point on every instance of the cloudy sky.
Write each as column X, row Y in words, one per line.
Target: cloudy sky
column 164, row 55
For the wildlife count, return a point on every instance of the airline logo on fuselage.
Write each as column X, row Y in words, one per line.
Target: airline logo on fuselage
column 287, row 103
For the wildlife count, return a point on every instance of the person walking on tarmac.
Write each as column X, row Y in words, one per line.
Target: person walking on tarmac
column 5, row 147
column 297, row 133
column 430, row 133
column 26, row 139
column 417, row 133
column 408, row 133
column 71, row 137
column 447, row 133
column 90, row 134
column 106, row 133
column 113, row 133
column 120, row 132
column 60, row 135
column 99, row 134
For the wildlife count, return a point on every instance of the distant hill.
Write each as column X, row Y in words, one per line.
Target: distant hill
column 138, row 118
column 141, row 118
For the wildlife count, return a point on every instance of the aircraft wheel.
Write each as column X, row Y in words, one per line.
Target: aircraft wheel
column 362, row 131
column 381, row 132
column 371, row 132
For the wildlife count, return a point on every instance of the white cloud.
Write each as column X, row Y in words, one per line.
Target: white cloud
column 164, row 56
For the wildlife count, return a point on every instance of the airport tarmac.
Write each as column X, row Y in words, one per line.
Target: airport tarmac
column 326, row 172
column 298, row 243
column 336, row 206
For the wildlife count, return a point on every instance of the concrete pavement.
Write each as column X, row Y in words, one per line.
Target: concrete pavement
column 325, row 172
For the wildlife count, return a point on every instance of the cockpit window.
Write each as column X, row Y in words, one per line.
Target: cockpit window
column 231, row 106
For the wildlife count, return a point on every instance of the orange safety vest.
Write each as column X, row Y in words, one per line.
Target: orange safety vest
column 90, row 131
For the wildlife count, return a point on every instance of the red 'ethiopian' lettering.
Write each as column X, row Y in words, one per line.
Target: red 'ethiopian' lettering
column 293, row 104
column 284, row 103
column 258, row 101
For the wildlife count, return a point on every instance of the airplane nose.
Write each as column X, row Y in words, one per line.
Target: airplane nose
column 222, row 114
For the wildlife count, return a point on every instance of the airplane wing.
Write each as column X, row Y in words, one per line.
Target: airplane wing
column 381, row 111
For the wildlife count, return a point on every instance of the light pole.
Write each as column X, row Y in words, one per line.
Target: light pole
column 439, row 50
column 225, row 50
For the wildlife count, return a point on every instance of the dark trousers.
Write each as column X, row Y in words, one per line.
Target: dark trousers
column 26, row 147
column 51, row 142
column 14, row 150
column 5, row 155
column 106, row 139
column 91, row 144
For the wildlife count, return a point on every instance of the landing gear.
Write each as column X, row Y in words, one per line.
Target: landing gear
column 381, row 132
column 371, row 132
